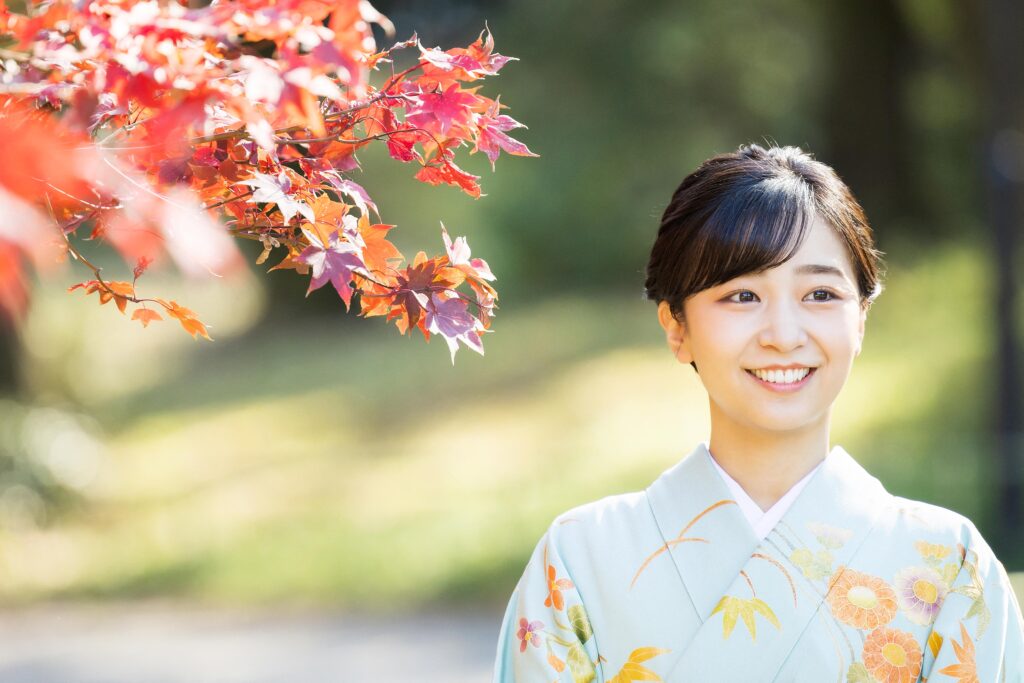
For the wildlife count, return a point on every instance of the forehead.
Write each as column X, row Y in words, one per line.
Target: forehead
column 821, row 246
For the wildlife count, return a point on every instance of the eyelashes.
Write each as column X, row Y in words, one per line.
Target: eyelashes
column 832, row 296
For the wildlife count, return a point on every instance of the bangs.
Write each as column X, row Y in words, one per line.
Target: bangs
column 759, row 225
column 748, row 211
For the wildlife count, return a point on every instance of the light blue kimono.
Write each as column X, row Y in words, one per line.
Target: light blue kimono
column 670, row 584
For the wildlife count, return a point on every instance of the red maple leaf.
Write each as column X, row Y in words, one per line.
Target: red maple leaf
column 450, row 318
column 438, row 111
column 332, row 263
column 491, row 137
column 450, row 174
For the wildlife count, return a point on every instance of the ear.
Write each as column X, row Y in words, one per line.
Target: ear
column 863, row 316
column 675, row 334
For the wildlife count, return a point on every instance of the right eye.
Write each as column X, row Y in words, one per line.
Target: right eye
column 732, row 298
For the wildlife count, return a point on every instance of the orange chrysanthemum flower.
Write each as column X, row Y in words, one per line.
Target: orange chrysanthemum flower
column 861, row 600
column 892, row 656
column 555, row 588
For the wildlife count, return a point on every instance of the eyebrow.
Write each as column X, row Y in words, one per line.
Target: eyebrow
column 817, row 269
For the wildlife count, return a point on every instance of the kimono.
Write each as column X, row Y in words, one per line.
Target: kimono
column 852, row 585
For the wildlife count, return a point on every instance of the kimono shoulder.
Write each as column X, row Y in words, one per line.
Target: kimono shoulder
column 571, row 616
column 927, row 520
column 588, row 537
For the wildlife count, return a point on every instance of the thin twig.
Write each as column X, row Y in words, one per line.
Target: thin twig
column 228, row 200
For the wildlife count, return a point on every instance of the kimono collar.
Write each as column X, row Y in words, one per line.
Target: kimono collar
column 703, row 526
column 762, row 521
column 720, row 562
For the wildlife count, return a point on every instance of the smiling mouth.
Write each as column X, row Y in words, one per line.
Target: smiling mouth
column 782, row 377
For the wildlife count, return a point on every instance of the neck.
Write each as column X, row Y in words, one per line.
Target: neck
column 767, row 464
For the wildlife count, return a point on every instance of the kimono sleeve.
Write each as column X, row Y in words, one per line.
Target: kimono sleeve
column 546, row 634
column 977, row 634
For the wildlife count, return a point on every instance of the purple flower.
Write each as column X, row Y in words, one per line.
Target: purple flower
column 528, row 633
column 920, row 592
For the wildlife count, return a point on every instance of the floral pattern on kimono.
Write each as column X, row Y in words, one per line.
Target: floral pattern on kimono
column 853, row 585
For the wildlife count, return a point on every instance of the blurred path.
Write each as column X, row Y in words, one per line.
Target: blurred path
column 154, row 644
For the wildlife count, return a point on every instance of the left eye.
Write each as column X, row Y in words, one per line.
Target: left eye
column 740, row 294
column 828, row 296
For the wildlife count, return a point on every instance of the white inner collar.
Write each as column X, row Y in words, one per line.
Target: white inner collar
column 762, row 521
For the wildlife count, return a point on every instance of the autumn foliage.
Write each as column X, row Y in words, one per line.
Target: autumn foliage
column 164, row 130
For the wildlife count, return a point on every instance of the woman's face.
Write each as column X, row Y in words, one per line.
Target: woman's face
column 804, row 313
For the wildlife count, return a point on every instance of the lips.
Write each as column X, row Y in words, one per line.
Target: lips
column 781, row 386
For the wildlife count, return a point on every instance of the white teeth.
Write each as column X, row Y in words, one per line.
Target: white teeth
column 782, row 376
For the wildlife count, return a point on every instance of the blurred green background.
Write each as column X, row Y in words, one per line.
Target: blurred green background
column 312, row 458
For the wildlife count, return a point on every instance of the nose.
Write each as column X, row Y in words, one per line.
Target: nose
column 783, row 327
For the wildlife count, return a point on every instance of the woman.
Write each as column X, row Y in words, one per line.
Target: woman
column 763, row 555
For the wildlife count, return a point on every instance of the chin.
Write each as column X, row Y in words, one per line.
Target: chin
column 783, row 423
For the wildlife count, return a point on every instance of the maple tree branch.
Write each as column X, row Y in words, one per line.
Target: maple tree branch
column 77, row 199
column 429, row 288
column 461, row 296
column 358, row 141
column 395, row 78
column 209, row 207
column 391, row 290
column 103, row 283
column 72, row 224
column 378, row 96
column 77, row 255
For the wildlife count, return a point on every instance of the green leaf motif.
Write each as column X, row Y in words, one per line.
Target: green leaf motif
column 580, row 623
column 975, row 592
column 814, row 566
column 858, row 673
column 949, row 572
column 579, row 663
column 980, row 609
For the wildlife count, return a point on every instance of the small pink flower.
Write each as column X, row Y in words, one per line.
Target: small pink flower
column 528, row 633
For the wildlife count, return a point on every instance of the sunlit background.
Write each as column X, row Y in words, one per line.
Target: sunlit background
column 314, row 497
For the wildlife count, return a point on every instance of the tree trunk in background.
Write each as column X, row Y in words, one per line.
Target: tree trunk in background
column 870, row 139
column 9, row 344
column 1003, row 157
column 868, row 134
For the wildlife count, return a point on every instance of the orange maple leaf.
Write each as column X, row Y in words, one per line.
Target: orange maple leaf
column 120, row 292
column 965, row 671
column 328, row 217
column 146, row 316
column 186, row 317
column 379, row 251
column 449, row 173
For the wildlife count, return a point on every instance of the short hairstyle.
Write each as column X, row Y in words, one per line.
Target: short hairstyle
column 748, row 211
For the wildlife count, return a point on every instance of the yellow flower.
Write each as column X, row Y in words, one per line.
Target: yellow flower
column 892, row 656
column 830, row 536
column 861, row 600
column 932, row 551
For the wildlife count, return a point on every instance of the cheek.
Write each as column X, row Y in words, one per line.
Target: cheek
column 719, row 354
column 838, row 340
column 722, row 337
